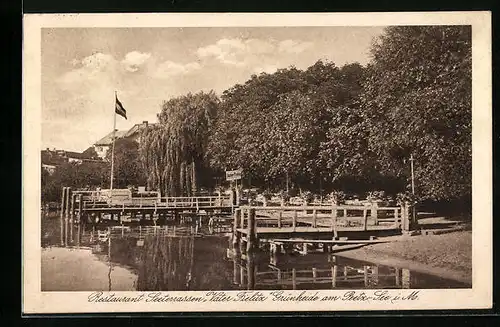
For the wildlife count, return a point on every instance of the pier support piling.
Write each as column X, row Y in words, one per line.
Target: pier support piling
column 251, row 234
column 236, row 236
column 63, row 201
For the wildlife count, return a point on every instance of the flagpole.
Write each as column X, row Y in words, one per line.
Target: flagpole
column 113, row 146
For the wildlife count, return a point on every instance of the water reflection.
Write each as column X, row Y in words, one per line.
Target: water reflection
column 315, row 271
column 192, row 257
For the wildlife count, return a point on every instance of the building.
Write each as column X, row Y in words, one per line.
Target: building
column 51, row 159
column 102, row 146
column 49, row 168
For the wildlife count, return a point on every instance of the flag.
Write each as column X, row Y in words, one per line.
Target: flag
column 119, row 108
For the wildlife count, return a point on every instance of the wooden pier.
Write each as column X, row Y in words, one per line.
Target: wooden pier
column 97, row 207
column 254, row 226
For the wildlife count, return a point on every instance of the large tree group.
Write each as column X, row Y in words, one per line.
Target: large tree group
column 351, row 128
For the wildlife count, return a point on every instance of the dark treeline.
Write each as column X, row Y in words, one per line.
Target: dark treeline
column 351, row 128
column 128, row 171
column 325, row 128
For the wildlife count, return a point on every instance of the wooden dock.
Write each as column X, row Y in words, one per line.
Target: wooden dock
column 254, row 225
column 93, row 207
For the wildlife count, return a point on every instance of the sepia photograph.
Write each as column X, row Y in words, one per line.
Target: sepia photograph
column 256, row 163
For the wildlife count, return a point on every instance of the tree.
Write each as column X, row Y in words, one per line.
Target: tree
column 238, row 139
column 417, row 100
column 75, row 175
column 90, row 153
column 275, row 125
column 127, row 165
column 173, row 153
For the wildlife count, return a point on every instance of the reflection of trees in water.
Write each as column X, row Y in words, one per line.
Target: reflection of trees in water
column 183, row 263
column 124, row 252
column 211, row 271
column 166, row 264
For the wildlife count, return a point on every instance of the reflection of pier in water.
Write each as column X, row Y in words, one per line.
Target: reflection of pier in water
column 312, row 272
column 184, row 257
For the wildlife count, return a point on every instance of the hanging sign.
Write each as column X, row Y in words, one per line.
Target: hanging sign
column 233, row 175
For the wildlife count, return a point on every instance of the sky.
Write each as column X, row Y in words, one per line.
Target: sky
column 83, row 67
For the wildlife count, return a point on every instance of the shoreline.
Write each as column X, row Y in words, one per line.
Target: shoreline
column 404, row 253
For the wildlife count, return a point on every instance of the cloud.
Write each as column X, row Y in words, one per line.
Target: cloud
column 225, row 50
column 240, row 52
column 96, row 67
column 292, row 46
column 134, row 60
column 170, row 68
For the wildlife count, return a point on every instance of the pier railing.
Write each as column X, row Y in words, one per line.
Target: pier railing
column 333, row 217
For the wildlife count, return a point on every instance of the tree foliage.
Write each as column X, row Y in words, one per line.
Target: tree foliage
column 76, row 175
column 173, row 152
column 417, row 100
column 127, row 165
column 276, row 125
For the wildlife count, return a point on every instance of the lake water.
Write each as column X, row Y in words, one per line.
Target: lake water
column 183, row 258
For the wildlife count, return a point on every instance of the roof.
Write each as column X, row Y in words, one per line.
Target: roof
column 108, row 139
column 75, row 155
column 136, row 129
column 51, row 158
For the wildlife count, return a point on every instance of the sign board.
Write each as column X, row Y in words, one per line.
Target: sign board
column 233, row 175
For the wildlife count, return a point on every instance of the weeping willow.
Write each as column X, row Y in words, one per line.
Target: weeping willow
column 173, row 151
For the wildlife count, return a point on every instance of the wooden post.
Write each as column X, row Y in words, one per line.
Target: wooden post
column 72, row 216
column 294, row 220
column 231, row 199
column 68, row 198
column 63, row 201
column 78, row 235
column 375, row 275
column 236, row 274
column 242, row 275
column 315, row 274
column 280, row 216
column 397, row 272
column 374, row 212
column 294, row 279
column 334, row 220
column 236, row 218
column 80, row 207
column 72, row 206
column 242, row 218
column 315, row 218
column 345, row 272
column 365, row 274
column 250, row 271
column 405, row 280
column 365, row 220
column 66, row 219
column 334, row 276
column 237, row 194
column 251, row 234
column 405, row 217
column 396, row 218
column 345, row 213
